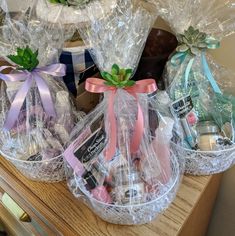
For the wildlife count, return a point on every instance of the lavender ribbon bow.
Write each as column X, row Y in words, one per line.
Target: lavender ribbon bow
column 57, row 70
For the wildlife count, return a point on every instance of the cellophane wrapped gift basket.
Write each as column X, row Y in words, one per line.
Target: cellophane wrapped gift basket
column 36, row 114
column 198, row 86
column 119, row 160
column 70, row 14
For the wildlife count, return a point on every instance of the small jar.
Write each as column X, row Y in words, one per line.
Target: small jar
column 209, row 134
column 129, row 187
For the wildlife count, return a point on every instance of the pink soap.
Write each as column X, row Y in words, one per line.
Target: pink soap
column 192, row 118
column 101, row 194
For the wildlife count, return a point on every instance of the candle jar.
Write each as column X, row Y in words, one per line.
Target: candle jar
column 129, row 187
column 209, row 134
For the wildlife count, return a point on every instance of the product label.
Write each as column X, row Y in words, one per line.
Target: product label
column 183, row 109
column 182, row 106
column 91, row 180
column 133, row 193
column 84, row 151
column 92, row 146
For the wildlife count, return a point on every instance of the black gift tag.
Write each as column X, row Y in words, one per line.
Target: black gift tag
column 92, row 146
column 182, row 106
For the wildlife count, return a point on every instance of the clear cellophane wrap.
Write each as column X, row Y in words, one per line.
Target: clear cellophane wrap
column 209, row 134
column 133, row 186
column 34, row 140
column 68, row 14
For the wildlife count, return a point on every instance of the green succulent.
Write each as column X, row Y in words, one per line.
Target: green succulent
column 71, row 2
column 25, row 58
column 119, row 78
column 64, row 2
column 193, row 41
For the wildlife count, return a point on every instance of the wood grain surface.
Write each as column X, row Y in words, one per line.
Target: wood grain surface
column 57, row 207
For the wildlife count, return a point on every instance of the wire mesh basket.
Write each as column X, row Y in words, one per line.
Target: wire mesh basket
column 206, row 162
column 51, row 170
column 130, row 214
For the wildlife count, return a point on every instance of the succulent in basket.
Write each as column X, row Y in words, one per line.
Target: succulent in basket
column 71, row 2
column 119, row 78
column 193, row 41
column 26, row 59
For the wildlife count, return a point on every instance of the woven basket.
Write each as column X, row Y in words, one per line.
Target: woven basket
column 128, row 215
column 206, row 163
column 44, row 171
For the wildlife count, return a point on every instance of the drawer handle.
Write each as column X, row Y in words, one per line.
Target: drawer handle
column 25, row 218
column 14, row 208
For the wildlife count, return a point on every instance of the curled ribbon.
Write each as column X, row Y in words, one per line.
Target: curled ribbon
column 95, row 85
column 179, row 57
column 57, row 70
column 188, row 48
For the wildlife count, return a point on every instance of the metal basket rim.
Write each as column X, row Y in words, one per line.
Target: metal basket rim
column 204, row 152
column 31, row 162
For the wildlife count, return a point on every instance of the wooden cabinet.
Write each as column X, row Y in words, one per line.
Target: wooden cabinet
column 54, row 211
column 11, row 225
column 17, row 212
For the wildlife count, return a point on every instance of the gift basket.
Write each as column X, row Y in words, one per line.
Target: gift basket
column 71, row 14
column 119, row 160
column 200, row 94
column 36, row 114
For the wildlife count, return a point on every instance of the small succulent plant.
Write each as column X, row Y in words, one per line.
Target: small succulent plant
column 119, row 78
column 25, row 58
column 64, row 2
column 71, row 2
column 192, row 40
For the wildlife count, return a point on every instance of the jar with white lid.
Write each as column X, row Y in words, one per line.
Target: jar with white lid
column 129, row 187
column 209, row 134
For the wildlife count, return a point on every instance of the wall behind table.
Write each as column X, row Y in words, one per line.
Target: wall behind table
column 223, row 220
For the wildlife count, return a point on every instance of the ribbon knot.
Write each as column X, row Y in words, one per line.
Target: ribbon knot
column 147, row 86
column 180, row 57
column 56, row 70
column 194, row 43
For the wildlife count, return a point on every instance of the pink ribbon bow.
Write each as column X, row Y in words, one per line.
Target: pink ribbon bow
column 57, row 70
column 95, row 85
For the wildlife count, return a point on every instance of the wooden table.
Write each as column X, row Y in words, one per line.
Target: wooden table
column 57, row 212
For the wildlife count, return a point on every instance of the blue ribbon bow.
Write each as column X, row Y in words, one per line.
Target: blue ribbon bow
column 179, row 58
